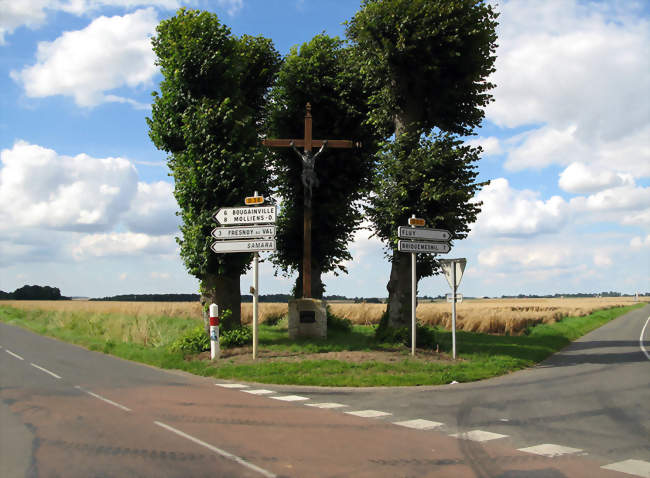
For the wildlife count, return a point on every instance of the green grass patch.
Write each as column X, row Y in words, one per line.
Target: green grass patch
column 148, row 340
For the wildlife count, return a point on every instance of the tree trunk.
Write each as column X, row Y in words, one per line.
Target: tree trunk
column 317, row 286
column 399, row 291
column 223, row 291
column 399, row 285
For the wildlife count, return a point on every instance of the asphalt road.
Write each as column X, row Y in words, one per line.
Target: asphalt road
column 66, row 411
column 594, row 395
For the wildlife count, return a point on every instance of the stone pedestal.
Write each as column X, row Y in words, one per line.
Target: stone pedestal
column 307, row 318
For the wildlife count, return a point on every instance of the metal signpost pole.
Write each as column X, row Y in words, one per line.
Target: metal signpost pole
column 453, row 310
column 256, row 259
column 413, row 297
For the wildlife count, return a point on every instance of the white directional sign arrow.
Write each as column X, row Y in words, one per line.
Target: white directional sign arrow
column 417, row 246
column 232, row 216
column 243, row 232
column 223, row 247
column 404, row 232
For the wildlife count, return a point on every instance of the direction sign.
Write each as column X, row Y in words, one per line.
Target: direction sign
column 244, row 232
column 232, row 216
column 223, row 247
column 425, row 233
column 250, row 200
column 416, row 221
column 418, row 246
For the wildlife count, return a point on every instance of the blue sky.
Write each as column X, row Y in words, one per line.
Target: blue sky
column 86, row 204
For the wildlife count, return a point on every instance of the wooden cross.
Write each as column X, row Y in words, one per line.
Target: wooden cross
column 309, row 180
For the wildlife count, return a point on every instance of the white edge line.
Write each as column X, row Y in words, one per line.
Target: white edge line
column 45, row 370
column 110, row 402
column 643, row 349
column 219, row 451
column 15, row 355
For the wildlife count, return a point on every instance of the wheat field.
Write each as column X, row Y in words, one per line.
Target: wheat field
column 494, row 316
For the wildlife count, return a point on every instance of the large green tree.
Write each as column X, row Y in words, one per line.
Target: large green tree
column 427, row 64
column 207, row 116
column 323, row 72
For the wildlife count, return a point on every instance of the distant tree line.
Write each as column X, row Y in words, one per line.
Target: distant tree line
column 579, row 294
column 151, row 298
column 33, row 292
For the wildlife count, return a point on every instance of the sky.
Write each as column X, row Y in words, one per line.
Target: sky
column 86, row 202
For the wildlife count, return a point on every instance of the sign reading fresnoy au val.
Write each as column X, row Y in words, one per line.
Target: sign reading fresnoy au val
column 244, row 232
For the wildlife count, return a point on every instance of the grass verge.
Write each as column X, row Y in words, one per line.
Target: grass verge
column 147, row 340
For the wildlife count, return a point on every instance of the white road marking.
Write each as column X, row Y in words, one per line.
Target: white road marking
column 45, row 370
column 231, row 385
column 369, row 413
column 478, row 435
column 258, row 392
column 326, row 405
column 15, row 355
column 218, row 451
column 110, row 402
column 290, row 398
column 419, row 424
column 631, row 467
column 643, row 349
column 549, row 449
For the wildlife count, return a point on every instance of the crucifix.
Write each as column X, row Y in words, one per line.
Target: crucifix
column 309, row 181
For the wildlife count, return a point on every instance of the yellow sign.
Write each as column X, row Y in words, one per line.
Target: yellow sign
column 416, row 221
column 254, row 200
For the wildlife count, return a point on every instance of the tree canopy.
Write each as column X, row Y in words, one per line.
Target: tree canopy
column 207, row 116
column 427, row 64
column 324, row 73
column 427, row 61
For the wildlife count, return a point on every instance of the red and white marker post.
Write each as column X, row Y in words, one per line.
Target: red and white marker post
column 214, row 331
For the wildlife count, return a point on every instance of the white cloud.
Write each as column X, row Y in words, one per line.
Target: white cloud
column 526, row 256
column 640, row 242
column 110, row 53
column 624, row 198
column 544, row 146
column 33, row 13
column 159, row 275
column 580, row 178
column 602, row 260
column 232, row 7
column 122, row 244
column 511, row 212
column 153, row 209
column 491, row 145
column 29, row 13
column 577, row 73
column 40, row 188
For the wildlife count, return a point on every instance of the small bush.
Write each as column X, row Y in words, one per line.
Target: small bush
column 425, row 336
column 237, row 337
column 274, row 318
column 194, row 341
column 334, row 322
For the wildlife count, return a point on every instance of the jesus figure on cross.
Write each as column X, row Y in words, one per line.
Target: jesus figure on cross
column 309, row 177
column 309, row 181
